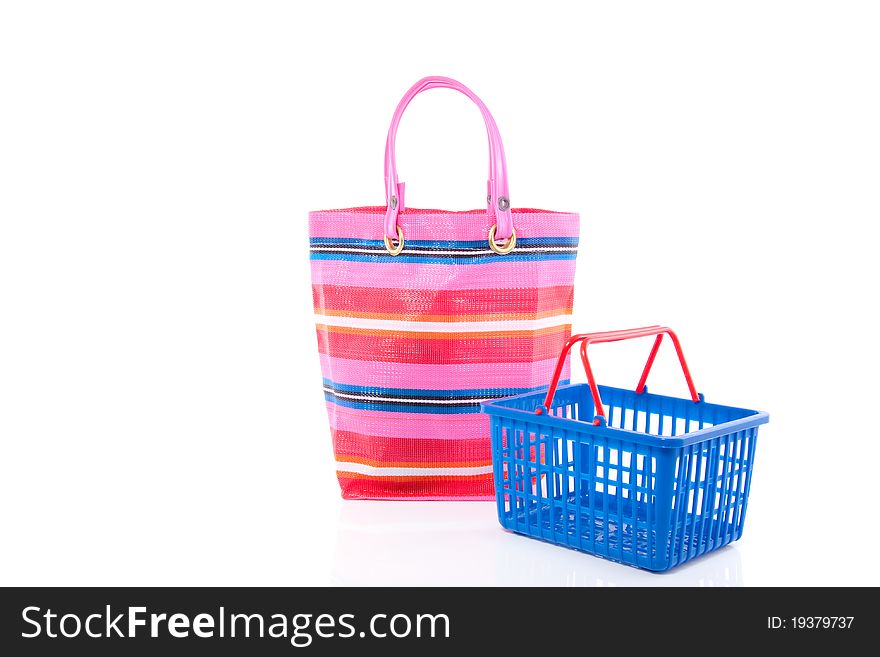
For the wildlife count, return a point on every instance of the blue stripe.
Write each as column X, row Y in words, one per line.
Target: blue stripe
column 467, row 260
column 436, row 409
column 443, row 244
column 427, row 408
column 445, row 394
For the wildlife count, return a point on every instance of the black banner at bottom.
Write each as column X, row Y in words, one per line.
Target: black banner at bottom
column 252, row 621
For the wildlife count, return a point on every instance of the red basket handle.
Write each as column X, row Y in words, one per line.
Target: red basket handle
column 587, row 339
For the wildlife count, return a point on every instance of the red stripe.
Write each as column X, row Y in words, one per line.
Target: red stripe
column 392, row 348
column 442, row 487
column 442, row 302
column 425, row 451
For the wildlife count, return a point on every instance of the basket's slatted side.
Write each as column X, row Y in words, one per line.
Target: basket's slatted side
column 524, row 470
column 570, row 438
column 684, row 501
column 534, row 472
column 638, row 495
column 728, row 447
column 748, row 460
column 648, row 461
column 663, row 492
column 530, row 468
column 680, row 500
column 517, row 468
column 688, row 495
column 559, row 481
column 552, row 488
column 571, row 488
column 708, row 490
column 719, row 533
column 738, row 471
column 711, row 492
column 613, row 520
column 538, row 459
column 621, row 495
column 585, row 475
column 696, row 495
column 743, row 479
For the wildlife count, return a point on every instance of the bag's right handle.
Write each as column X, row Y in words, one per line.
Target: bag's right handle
column 587, row 339
column 498, row 197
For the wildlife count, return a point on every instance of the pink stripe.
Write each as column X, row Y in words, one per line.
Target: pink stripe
column 440, row 377
column 368, row 223
column 417, row 276
column 408, row 425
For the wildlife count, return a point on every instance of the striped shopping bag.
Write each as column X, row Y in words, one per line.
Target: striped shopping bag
column 423, row 314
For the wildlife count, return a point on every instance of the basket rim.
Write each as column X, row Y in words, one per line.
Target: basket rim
column 752, row 418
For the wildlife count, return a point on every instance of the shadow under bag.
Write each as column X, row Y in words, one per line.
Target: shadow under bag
column 423, row 314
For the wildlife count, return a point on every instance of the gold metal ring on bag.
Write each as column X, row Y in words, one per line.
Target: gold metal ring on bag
column 500, row 249
column 395, row 250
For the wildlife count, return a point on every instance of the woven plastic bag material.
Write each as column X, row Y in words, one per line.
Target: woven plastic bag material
column 410, row 344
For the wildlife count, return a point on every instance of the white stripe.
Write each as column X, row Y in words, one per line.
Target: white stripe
column 408, row 400
column 444, row 327
column 361, row 468
column 466, row 252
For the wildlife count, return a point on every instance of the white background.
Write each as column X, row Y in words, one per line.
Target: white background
column 160, row 409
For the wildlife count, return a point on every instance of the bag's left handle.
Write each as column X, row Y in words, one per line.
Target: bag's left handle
column 498, row 197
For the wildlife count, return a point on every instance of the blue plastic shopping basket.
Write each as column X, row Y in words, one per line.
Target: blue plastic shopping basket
column 643, row 479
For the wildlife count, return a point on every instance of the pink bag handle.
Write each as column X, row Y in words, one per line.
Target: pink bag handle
column 498, row 194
